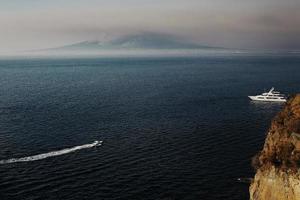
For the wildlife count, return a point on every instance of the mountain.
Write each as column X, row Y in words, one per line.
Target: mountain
column 278, row 164
column 138, row 41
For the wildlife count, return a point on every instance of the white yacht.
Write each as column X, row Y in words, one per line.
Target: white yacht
column 269, row 96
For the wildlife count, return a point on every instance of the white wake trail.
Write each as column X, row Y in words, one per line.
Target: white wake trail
column 51, row 154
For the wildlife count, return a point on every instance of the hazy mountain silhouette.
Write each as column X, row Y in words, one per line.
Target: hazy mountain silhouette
column 138, row 41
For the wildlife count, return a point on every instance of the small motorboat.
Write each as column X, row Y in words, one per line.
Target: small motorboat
column 244, row 180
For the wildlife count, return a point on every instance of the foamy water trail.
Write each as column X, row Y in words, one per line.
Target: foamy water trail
column 51, row 154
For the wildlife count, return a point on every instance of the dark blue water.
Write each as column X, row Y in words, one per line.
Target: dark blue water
column 172, row 128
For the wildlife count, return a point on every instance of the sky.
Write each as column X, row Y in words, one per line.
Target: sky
column 255, row 24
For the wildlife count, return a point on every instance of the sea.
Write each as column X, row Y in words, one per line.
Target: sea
column 172, row 128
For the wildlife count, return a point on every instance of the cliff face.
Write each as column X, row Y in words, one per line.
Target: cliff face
column 278, row 164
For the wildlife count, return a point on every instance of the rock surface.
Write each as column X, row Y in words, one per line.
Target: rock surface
column 278, row 164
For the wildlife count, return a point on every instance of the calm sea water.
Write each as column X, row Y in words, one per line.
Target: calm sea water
column 172, row 128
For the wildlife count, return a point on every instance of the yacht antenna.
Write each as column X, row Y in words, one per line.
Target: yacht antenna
column 272, row 89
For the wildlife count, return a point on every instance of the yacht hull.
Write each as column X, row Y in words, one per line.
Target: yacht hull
column 256, row 98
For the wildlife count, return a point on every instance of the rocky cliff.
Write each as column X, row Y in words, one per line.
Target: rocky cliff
column 278, row 164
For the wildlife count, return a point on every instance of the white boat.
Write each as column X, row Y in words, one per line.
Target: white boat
column 273, row 96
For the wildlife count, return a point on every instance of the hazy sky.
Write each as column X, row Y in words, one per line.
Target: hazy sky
column 32, row 24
